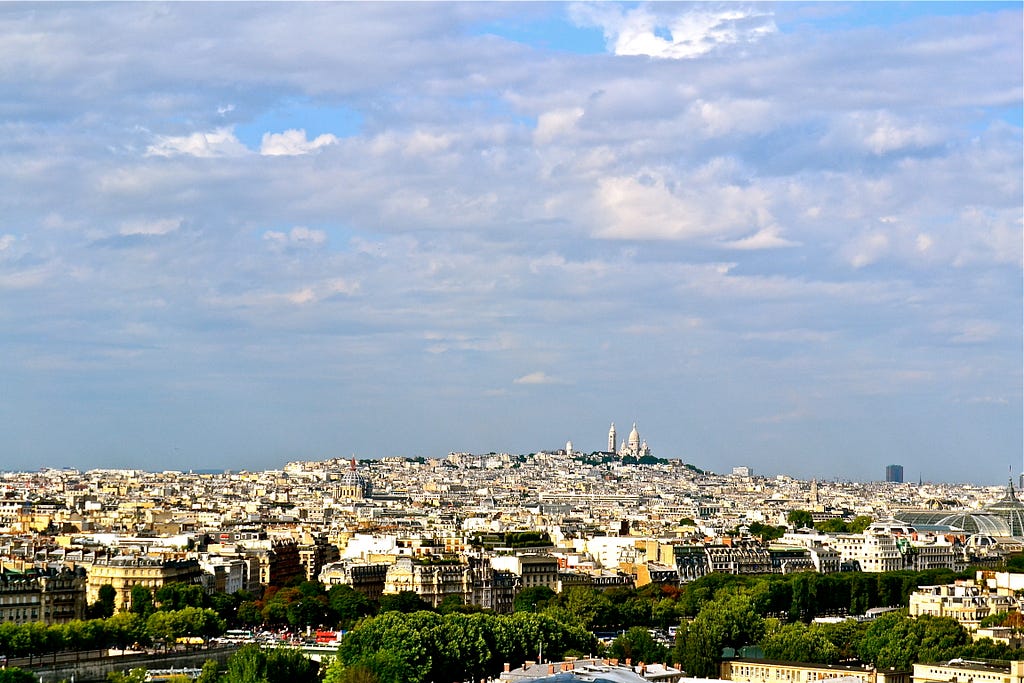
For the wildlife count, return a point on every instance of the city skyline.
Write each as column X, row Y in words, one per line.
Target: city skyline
column 786, row 236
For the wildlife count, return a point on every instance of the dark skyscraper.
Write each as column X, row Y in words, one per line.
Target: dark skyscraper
column 894, row 474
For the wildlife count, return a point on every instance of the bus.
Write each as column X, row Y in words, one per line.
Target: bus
column 238, row 636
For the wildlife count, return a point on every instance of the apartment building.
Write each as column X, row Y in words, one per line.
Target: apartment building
column 961, row 671
column 966, row 601
column 48, row 596
column 767, row 671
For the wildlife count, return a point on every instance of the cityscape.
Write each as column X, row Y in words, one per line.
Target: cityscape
column 494, row 534
column 492, row 342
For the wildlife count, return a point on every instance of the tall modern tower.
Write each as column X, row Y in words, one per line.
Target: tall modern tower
column 611, row 439
column 894, row 474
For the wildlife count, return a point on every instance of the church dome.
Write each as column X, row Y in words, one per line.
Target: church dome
column 352, row 484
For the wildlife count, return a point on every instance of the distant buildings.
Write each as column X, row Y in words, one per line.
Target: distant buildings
column 483, row 527
column 894, row 474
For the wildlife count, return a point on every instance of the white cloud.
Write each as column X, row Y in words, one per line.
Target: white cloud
column 539, row 377
column 299, row 236
column 695, row 32
column 975, row 332
column 6, row 241
column 158, row 227
column 736, row 115
column 705, row 205
column 988, row 400
column 923, row 242
column 768, row 238
column 293, row 142
column 220, row 142
column 556, row 124
column 866, row 249
column 884, row 132
column 303, row 296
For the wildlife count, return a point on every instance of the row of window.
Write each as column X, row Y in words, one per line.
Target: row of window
column 18, row 599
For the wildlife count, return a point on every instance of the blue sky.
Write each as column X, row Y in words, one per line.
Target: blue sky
column 787, row 236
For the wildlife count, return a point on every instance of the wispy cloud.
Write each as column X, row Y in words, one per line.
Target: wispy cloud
column 220, row 142
column 539, row 377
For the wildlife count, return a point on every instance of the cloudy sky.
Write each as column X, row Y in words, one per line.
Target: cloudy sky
column 783, row 236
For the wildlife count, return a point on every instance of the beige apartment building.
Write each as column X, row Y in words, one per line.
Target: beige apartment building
column 966, row 601
column 961, row 671
column 47, row 596
column 123, row 573
column 766, row 671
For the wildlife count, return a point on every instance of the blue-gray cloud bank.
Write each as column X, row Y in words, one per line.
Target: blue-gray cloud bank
column 785, row 236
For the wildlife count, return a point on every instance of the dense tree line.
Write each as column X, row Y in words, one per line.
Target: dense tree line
column 425, row 646
column 119, row 630
column 250, row 664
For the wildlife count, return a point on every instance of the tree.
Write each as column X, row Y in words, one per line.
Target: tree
column 142, row 600
column 584, row 604
column 104, row 606
column 348, row 605
column 845, row 636
column 639, row 645
column 16, row 675
column 190, row 621
column 800, row 643
column 697, row 650
column 125, row 628
column 133, row 676
column 896, row 640
column 766, row 532
column 309, row 611
column 249, row 613
column 406, row 602
column 533, row 599
column 861, row 590
column 832, row 526
column 226, row 606
column 282, row 665
column 451, row 603
column 804, row 604
column 800, row 519
column 394, row 638
column 729, row 621
column 664, row 613
column 376, row 667
column 177, row 595
column 210, row 672
column 860, row 523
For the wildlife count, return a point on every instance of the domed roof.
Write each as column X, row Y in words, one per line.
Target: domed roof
column 352, row 480
column 979, row 522
column 634, row 436
column 1011, row 510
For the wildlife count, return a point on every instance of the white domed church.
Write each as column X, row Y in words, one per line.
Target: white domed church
column 634, row 446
